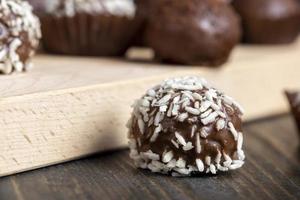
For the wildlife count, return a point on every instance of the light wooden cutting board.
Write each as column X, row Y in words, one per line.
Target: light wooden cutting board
column 68, row 107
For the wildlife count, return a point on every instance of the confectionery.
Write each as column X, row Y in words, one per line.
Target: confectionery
column 143, row 13
column 90, row 27
column 186, row 127
column 19, row 36
column 192, row 32
column 294, row 100
column 269, row 21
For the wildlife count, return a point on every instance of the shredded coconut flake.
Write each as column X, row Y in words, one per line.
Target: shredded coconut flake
column 180, row 163
column 198, row 144
column 205, row 105
column 141, row 126
column 156, row 133
column 192, row 111
column 203, row 132
column 175, row 144
column 233, row 131
column 167, row 157
column 210, row 118
column 208, row 160
column 220, row 124
column 212, row 169
column 150, row 155
column 193, row 131
column 200, row 165
column 151, row 93
column 180, row 139
column 240, row 141
column 189, row 146
column 228, row 160
column 165, row 99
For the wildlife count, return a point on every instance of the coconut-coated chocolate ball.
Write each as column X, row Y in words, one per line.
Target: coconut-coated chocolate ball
column 192, row 32
column 269, row 21
column 19, row 36
column 184, row 126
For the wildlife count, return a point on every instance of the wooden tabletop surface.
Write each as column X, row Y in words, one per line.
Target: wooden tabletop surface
column 272, row 171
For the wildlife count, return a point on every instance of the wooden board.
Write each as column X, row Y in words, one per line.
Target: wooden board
column 70, row 107
column 271, row 171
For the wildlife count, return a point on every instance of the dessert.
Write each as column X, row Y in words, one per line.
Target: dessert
column 269, row 21
column 185, row 127
column 91, row 27
column 192, row 32
column 19, row 36
column 143, row 13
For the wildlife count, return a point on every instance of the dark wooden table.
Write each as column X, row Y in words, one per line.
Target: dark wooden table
column 272, row 171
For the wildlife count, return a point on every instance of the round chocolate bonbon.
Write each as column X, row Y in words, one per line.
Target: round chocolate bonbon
column 192, row 32
column 184, row 126
column 269, row 21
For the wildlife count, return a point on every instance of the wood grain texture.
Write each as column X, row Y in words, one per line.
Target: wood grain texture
column 72, row 107
column 272, row 171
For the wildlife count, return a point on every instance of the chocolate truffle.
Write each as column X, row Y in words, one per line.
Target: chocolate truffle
column 19, row 36
column 192, row 32
column 91, row 27
column 294, row 100
column 269, row 21
column 184, row 126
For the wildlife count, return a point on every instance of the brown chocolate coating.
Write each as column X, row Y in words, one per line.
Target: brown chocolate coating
column 192, row 32
column 157, row 128
column 215, row 141
column 26, row 48
column 269, row 21
column 143, row 13
column 294, row 100
column 86, row 34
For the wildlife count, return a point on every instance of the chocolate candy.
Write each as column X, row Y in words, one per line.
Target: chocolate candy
column 184, row 126
column 294, row 100
column 192, row 32
column 89, row 27
column 19, row 36
column 269, row 21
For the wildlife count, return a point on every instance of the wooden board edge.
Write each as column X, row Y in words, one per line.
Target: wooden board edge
column 41, row 129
